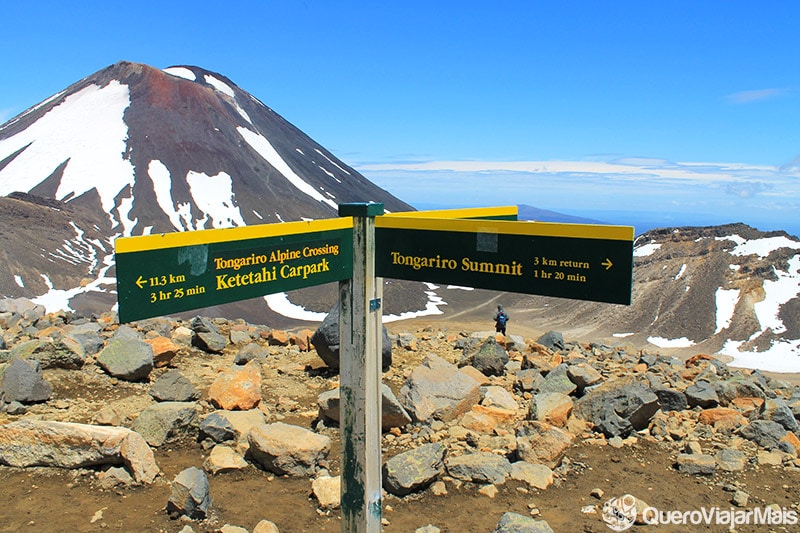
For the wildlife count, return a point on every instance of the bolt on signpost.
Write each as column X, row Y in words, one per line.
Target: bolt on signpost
column 360, row 343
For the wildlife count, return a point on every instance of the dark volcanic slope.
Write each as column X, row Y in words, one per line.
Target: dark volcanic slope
column 133, row 150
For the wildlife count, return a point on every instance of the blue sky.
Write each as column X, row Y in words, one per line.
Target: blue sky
column 679, row 112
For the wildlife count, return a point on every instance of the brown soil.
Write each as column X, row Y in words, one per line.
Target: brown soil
column 49, row 499
column 45, row 499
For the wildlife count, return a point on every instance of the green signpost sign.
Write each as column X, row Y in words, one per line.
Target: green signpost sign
column 162, row 274
column 583, row 262
column 482, row 248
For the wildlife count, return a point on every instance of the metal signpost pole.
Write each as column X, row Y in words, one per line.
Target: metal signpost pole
column 360, row 343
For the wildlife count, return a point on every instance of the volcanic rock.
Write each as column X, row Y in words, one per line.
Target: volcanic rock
column 22, row 382
column 287, row 450
column 70, row 445
column 173, row 386
column 393, row 415
column 326, row 341
column 479, row 467
column 413, row 470
column 164, row 421
column 237, row 388
column 190, row 494
column 130, row 359
column 438, row 390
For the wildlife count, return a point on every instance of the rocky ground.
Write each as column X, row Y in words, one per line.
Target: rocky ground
column 556, row 432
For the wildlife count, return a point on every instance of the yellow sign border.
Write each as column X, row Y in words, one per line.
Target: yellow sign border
column 521, row 227
column 460, row 213
column 162, row 241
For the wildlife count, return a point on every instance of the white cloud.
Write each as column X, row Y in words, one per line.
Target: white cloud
column 758, row 95
column 661, row 193
column 634, row 169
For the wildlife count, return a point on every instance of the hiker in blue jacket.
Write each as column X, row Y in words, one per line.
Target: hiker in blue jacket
column 500, row 319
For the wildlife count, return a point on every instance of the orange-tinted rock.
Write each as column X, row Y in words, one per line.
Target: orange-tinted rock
column 499, row 414
column 722, row 418
column 748, row 406
column 237, row 388
column 552, row 407
column 792, row 439
column 480, row 422
column 278, row 337
column 51, row 332
column 696, row 359
column 302, row 339
column 539, row 349
column 539, row 442
column 70, row 445
column 690, row 373
column 164, row 350
column 475, row 374
column 544, row 361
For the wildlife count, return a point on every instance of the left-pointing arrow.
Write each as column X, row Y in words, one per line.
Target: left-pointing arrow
column 141, row 282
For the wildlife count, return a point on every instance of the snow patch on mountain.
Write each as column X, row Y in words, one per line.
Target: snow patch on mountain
column 777, row 293
column 219, row 85
column 260, row 144
column 58, row 299
column 87, row 132
column 214, row 196
column 726, row 300
column 782, row 356
column 128, row 223
column 661, row 342
column 760, row 247
column 646, row 249
column 332, row 162
column 77, row 250
column 431, row 307
column 280, row 303
column 181, row 72
column 180, row 216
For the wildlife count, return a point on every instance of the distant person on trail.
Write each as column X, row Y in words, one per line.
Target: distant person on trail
column 500, row 320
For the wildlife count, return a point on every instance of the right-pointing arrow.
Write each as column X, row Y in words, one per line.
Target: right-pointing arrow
column 607, row 263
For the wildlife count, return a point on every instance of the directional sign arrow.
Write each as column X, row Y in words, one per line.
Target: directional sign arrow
column 141, row 282
column 607, row 263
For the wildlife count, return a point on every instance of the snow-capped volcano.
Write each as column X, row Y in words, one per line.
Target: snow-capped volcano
column 207, row 152
column 134, row 150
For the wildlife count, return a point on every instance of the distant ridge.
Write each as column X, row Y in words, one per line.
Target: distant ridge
column 529, row 212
